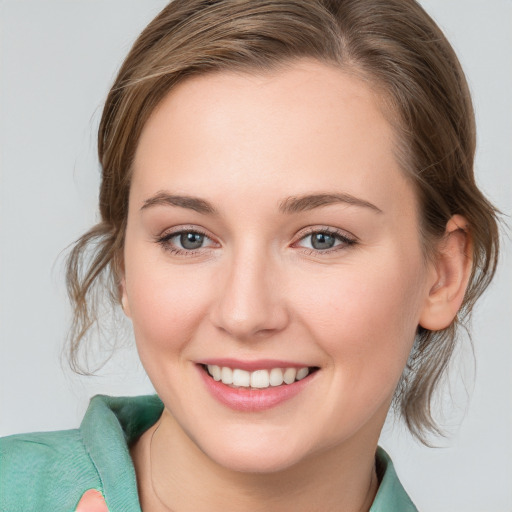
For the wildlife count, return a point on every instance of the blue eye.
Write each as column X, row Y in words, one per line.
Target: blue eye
column 185, row 242
column 325, row 240
column 190, row 240
column 321, row 241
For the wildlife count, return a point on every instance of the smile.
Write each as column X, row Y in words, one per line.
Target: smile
column 253, row 388
column 258, row 379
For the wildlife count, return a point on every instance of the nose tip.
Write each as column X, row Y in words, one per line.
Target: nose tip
column 244, row 324
column 250, row 302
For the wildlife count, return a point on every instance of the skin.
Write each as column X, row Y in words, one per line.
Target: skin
column 245, row 143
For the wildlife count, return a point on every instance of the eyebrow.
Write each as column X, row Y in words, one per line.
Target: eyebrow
column 312, row 201
column 192, row 203
column 290, row 205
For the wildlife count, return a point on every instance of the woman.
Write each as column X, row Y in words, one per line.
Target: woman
column 289, row 218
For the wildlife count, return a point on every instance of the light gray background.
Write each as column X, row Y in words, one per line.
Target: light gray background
column 57, row 60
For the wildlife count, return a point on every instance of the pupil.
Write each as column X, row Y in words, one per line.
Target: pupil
column 322, row 241
column 191, row 240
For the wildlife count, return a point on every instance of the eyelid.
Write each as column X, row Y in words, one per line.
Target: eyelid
column 165, row 237
column 176, row 230
column 347, row 239
column 325, row 229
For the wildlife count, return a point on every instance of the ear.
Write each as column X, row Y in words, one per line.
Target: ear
column 124, row 297
column 451, row 272
column 121, row 276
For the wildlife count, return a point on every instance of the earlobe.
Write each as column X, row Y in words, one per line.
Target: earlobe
column 452, row 270
column 120, row 274
column 124, row 298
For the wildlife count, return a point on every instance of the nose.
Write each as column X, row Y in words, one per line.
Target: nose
column 251, row 298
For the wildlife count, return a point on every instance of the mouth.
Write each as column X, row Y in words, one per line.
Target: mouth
column 254, row 386
column 259, row 379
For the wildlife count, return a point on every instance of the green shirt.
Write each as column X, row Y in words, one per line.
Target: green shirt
column 50, row 471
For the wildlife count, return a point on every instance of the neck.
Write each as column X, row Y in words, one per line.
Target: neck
column 174, row 475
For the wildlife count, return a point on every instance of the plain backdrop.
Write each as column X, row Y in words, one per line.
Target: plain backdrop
column 57, row 61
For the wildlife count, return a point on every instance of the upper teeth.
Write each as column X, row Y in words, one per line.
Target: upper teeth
column 257, row 379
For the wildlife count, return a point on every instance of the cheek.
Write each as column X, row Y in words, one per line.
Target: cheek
column 365, row 319
column 166, row 304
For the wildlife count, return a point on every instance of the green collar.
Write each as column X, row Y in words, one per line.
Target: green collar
column 111, row 424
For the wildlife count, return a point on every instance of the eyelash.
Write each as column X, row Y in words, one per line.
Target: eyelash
column 339, row 236
column 164, row 241
column 346, row 241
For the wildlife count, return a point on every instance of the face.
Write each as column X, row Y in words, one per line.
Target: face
column 271, row 234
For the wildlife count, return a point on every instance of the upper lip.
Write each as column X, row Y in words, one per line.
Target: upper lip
column 257, row 364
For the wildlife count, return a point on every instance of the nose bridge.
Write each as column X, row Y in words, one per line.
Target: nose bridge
column 250, row 300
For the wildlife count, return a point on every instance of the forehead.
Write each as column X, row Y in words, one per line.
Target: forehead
column 304, row 127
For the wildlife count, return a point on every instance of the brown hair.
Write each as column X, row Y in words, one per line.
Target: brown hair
column 392, row 44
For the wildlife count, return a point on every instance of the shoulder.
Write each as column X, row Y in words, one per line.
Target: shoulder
column 52, row 470
column 44, row 471
column 391, row 496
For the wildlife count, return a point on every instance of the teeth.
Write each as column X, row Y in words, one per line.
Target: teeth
column 259, row 379
column 226, row 375
column 289, row 375
column 241, row 378
column 276, row 377
column 214, row 371
column 303, row 372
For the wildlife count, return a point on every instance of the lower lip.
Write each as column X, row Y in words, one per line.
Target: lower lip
column 253, row 400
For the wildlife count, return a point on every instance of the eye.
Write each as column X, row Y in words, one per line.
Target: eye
column 325, row 240
column 190, row 240
column 185, row 241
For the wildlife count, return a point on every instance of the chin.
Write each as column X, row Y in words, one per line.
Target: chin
column 255, row 452
column 251, row 462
